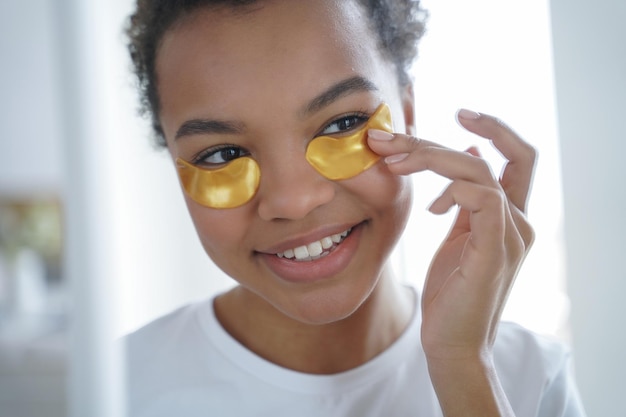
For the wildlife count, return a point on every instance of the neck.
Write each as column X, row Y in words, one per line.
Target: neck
column 318, row 349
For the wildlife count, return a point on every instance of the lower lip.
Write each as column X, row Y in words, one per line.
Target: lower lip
column 319, row 269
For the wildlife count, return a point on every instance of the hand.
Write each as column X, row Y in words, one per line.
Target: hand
column 474, row 269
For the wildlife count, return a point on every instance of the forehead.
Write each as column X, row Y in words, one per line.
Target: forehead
column 280, row 53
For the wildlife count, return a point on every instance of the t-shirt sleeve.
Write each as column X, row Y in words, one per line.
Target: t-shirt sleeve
column 536, row 374
column 560, row 397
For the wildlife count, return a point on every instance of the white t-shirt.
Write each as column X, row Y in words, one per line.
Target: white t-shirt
column 186, row 365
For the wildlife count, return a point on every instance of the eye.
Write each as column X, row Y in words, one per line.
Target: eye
column 219, row 155
column 345, row 124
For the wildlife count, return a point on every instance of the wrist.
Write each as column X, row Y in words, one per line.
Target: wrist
column 468, row 385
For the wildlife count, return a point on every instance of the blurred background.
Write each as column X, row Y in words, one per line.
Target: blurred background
column 95, row 240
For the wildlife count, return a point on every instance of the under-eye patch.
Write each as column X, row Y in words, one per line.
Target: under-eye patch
column 340, row 158
column 234, row 184
column 227, row 187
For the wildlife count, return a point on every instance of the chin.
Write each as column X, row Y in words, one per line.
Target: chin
column 322, row 307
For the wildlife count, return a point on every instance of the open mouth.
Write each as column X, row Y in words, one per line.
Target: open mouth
column 315, row 250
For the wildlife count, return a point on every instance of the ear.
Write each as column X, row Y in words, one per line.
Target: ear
column 408, row 107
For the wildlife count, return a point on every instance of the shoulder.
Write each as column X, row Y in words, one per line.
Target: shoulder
column 517, row 347
column 170, row 327
column 168, row 345
column 535, row 372
column 165, row 356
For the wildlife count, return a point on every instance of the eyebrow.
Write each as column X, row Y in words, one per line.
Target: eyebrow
column 336, row 91
column 339, row 90
column 206, row 127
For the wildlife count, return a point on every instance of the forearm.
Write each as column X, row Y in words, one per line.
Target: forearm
column 468, row 387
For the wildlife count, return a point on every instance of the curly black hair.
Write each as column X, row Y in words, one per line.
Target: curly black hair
column 399, row 25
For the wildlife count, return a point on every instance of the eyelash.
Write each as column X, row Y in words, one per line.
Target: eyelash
column 201, row 158
column 360, row 117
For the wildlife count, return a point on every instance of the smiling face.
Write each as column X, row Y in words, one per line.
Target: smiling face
column 263, row 84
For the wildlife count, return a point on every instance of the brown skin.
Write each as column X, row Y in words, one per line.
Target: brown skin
column 284, row 74
column 259, row 70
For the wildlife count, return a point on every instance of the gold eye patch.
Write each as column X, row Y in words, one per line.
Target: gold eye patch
column 227, row 187
column 236, row 183
column 347, row 156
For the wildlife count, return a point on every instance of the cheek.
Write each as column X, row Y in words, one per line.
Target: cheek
column 388, row 193
column 221, row 231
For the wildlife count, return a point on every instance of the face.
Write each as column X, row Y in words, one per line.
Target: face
column 262, row 84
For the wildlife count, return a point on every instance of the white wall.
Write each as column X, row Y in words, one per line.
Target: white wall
column 30, row 134
column 132, row 252
column 590, row 62
column 32, row 356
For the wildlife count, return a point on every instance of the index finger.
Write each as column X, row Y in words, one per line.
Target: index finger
column 521, row 157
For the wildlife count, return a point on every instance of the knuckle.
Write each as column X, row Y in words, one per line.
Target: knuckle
column 412, row 142
column 516, row 249
column 531, row 152
column 485, row 169
column 500, row 126
column 500, row 123
column 429, row 152
column 525, row 230
column 494, row 197
column 527, row 233
column 528, row 154
column 520, row 244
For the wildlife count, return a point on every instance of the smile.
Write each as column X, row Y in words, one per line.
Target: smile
column 315, row 250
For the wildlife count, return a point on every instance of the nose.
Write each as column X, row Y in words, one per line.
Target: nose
column 290, row 188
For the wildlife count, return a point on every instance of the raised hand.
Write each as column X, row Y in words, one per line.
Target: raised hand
column 474, row 269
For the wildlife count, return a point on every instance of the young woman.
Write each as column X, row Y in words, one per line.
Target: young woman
column 290, row 124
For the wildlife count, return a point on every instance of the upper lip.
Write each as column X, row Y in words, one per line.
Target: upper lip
column 306, row 238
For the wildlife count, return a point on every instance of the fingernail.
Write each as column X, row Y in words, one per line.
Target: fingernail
column 379, row 134
column 467, row 114
column 392, row 159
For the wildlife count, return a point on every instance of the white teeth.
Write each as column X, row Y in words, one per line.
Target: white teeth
column 301, row 252
column 314, row 250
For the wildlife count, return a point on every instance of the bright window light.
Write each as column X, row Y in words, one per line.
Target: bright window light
column 493, row 57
